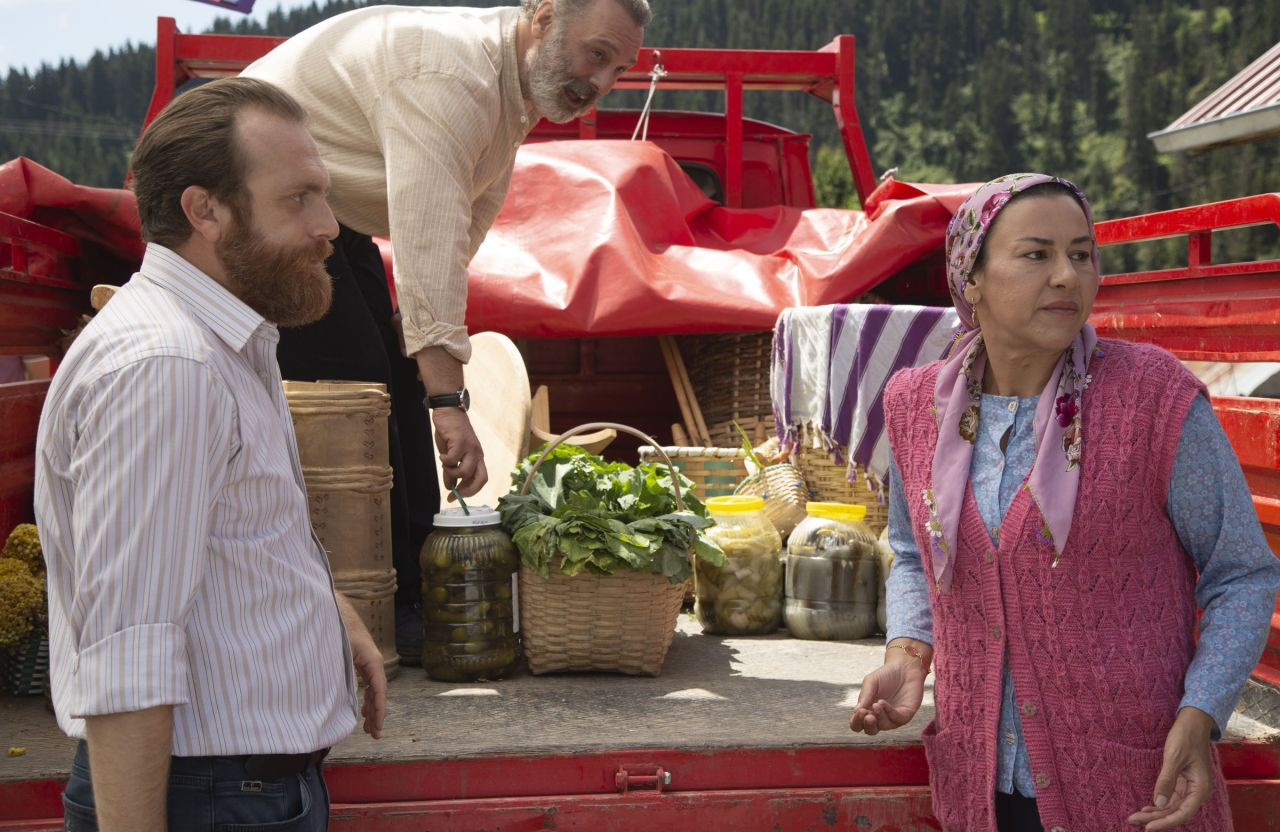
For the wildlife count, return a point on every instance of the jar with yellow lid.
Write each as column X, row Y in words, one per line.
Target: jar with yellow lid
column 743, row 597
column 832, row 574
column 471, row 622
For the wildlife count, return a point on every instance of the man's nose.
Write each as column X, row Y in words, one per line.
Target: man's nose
column 326, row 222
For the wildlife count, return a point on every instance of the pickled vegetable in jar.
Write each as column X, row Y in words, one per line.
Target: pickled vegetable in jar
column 743, row 597
column 833, row 574
column 885, row 555
column 469, row 604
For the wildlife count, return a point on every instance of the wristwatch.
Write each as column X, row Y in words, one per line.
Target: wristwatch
column 460, row 399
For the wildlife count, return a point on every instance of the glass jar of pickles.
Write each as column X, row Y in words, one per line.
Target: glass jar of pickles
column 833, row 572
column 743, row 597
column 469, row 604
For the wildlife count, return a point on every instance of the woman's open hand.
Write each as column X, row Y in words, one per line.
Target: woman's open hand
column 1186, row 778
column 891, row 694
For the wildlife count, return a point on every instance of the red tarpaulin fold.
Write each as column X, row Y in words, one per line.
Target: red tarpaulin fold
column 609, row 238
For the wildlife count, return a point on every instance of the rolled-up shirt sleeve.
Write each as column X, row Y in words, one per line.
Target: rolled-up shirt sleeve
column 432, row 133
column 152, row 442
column 907, row 608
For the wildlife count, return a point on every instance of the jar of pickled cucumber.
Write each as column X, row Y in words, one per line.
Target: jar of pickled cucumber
column 743, row 597
column 469, row 597
column 833, row 574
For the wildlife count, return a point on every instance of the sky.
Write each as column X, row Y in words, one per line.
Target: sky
column 36, row 31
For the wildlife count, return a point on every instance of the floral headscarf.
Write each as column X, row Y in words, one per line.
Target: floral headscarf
column 1055, row 475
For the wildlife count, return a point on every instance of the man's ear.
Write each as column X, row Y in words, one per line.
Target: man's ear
column 543, row 17
column 208, row 217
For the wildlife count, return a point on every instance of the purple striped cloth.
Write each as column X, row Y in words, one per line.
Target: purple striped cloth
column 830, row 365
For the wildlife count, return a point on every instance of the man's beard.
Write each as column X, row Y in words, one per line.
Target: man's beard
column 550, row 75
column 288, row 287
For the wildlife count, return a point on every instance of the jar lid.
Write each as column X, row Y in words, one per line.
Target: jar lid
column 736, row 504
column 455, row 518
column 843, row 512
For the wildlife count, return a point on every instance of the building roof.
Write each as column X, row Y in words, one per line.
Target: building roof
column 1245, row 108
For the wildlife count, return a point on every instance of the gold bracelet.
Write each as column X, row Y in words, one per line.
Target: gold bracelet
column 914, row 652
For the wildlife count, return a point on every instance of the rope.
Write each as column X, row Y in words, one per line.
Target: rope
column 657, row 73
column 366, row 584
column 364, row 479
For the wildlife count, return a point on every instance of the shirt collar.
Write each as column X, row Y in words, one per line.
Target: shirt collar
column 230, row 318
column 514, row 99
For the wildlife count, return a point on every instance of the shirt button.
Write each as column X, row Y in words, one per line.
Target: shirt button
column 1013, row 407
column 989, row 556
column 524, row 119
column 1042, row 781
column 1029, row 709
column 1058, row 829
column 995, row 631
column 1010, row 738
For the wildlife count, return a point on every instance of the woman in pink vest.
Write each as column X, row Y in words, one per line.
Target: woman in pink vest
column 1059, row 506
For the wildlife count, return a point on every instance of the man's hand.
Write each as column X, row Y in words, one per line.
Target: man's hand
column 461, row 457
column 891, row 694
column 129, row 767
column 368, row 661
column 1186, row 778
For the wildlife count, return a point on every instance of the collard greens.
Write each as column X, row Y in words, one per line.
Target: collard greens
column 584, row 513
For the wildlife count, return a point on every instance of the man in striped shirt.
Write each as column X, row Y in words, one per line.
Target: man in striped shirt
column 418, row 112
column 195, row 637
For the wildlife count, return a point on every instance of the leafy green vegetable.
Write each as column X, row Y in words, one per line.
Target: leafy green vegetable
column 584, row 513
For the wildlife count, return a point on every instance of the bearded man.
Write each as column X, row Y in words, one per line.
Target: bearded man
column 418, row 113
column 197, row 646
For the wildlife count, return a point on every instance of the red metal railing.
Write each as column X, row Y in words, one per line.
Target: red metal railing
column 827, row 73
column 1211, row 312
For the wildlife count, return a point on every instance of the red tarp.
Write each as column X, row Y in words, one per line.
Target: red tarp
column 610, row 238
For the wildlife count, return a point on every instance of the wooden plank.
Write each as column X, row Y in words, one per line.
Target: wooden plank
column 677, row 384
column 680, row 374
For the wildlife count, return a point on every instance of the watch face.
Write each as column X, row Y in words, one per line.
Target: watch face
column 464, row 399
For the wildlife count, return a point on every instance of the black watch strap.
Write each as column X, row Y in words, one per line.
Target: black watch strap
column 460, row 398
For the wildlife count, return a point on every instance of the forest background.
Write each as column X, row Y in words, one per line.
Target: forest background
column 948, row 91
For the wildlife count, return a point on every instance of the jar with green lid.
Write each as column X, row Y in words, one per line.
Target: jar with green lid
column 469, row 603
column 833, row 573
column 743, row 597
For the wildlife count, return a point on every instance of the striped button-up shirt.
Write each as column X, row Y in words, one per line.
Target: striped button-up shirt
column 182, row 566
column 418, row 114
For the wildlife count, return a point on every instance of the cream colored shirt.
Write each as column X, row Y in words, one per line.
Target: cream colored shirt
column 418, row 114
column 182, row 566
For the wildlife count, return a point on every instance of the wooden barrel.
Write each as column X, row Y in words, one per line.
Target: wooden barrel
column 341, row 428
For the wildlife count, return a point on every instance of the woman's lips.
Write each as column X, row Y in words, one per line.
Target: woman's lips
column 1063, row 308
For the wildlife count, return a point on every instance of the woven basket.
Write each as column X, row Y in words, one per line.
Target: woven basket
column 715, row 472
column 621, row 623
column 730, row 377
column 829, row 482
column 784, row 492
column 24, row 668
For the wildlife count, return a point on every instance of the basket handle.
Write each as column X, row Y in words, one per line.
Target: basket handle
column 675, row 479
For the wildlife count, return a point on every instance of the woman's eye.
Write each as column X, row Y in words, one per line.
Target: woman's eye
column 597, row 54
column 1081, row 256
column 1034, row 255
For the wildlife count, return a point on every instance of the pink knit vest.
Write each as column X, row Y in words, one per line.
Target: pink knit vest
column 1098, row 645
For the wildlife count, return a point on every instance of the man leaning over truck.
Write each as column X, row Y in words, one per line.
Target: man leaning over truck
column 418, row 113
column 195, row 637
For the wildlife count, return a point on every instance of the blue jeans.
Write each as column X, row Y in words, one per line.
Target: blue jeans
column 213, row 794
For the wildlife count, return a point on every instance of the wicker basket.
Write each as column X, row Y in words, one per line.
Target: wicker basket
column 621, row 623
column 24, row 668
column 715, row 472
column 784, row 492
column 730, row 377
column 829, row 482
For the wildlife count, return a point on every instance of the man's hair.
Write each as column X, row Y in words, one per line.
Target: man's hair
column 569, row 9
column 193, row 142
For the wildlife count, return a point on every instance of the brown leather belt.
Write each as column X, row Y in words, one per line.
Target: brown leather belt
column 277, row 766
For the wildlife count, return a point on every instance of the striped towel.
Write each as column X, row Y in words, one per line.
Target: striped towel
column 830, row 365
